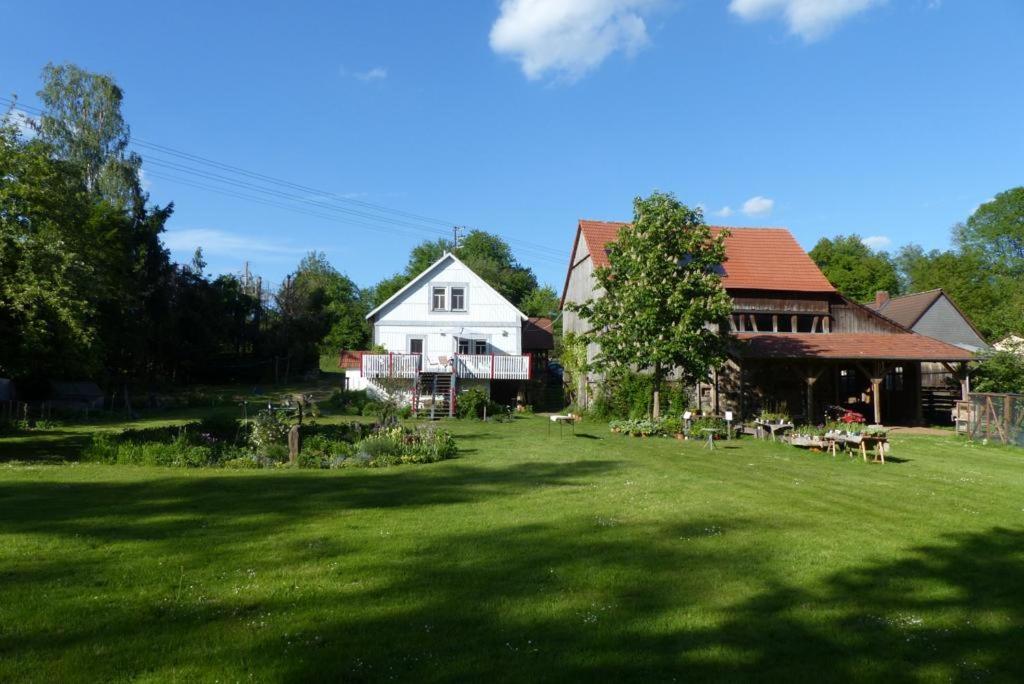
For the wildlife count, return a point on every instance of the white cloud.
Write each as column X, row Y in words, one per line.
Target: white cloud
column 375, row 74
column 725, row 212
column 568, row 38
column 758, row 206
column 809, row 19
column 222, row 243
column 877, row 241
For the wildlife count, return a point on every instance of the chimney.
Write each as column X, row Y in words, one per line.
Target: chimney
column 881, row 298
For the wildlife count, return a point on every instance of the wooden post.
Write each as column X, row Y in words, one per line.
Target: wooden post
column 961, row 372
column 918, row 409
column 876, row 374
column 294, row 444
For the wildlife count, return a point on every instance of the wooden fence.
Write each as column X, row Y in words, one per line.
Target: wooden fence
column 995, row 417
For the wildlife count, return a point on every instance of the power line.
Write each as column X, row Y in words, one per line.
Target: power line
column 538, row 251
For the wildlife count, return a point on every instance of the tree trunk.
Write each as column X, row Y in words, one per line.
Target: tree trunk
column 656, row 404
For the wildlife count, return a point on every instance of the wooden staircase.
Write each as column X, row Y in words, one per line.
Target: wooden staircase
column 435, row 395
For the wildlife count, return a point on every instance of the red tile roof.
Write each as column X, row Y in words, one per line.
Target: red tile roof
column 538, row 334
column 756, row 258
column 878, row 346
column 349, row 359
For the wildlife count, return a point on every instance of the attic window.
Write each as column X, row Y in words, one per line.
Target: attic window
column 438, row 299
column 458, row 299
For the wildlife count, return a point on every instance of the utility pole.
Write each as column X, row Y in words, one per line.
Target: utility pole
column 455, row 233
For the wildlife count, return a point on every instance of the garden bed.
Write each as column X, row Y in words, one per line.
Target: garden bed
column 262, row 443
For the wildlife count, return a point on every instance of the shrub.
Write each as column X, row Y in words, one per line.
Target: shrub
column 708, row 423
column 371, row 408
column 672, row 426
column 221, row 427
column 625, row 394
column 320, row 451
column 178, row 453
column 404, row 445
column 269, row 429
column 473, row 402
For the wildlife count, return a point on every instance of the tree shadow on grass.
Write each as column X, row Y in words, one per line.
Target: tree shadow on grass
column 244, row 504
column 43, row 446
column 520, row 604
column 571, row 599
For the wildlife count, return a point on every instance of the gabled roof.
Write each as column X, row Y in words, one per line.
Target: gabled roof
column 851, row 346
column 423, row 276
column 755, row 258
column 908, row 309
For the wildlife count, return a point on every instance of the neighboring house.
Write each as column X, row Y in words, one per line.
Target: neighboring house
column 935, row 314
column 445, row 331
column 798, row 346
column 1012, row 343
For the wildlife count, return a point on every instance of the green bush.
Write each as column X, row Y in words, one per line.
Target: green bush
column 178, row 453
column 473, row 402
column 221, row 427
column 624, row 394
column 269, row 429
column 404, row 445
column 708, row 423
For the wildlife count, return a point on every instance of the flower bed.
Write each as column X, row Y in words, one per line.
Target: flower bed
column 263, row 444
column 660, row 427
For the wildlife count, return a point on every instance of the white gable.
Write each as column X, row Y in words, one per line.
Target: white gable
column 413, row 313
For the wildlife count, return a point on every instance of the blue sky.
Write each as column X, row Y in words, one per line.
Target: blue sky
column 893, row 119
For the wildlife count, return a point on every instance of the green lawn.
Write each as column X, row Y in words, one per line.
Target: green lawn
column 530, row 557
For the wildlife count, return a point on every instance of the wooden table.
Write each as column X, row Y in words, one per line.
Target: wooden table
column 879, row 443
column 772, row 428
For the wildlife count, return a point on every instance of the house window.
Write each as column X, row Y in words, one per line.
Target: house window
column 894, row 379
column 416, row 345
column 458, row 299
column 438, row 299
column 468, row 346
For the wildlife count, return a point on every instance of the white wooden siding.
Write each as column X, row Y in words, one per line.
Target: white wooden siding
column 487, row 316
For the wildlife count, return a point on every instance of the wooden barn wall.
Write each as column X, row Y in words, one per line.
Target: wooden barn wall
column 750, row 301
column 851, row 318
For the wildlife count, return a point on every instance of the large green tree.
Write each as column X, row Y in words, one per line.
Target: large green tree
column 662, row 306
column 995, row 232
column 984, row 272
column 47, row 317
column 83, row 123
column 854, row 268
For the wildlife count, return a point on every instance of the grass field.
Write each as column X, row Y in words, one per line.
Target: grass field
column 530, row 557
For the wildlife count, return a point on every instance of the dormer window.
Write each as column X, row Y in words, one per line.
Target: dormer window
column 439, row 299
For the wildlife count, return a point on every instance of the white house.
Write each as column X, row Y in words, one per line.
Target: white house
column 445, row 331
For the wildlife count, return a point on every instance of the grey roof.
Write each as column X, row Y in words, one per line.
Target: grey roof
column 908, row 309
